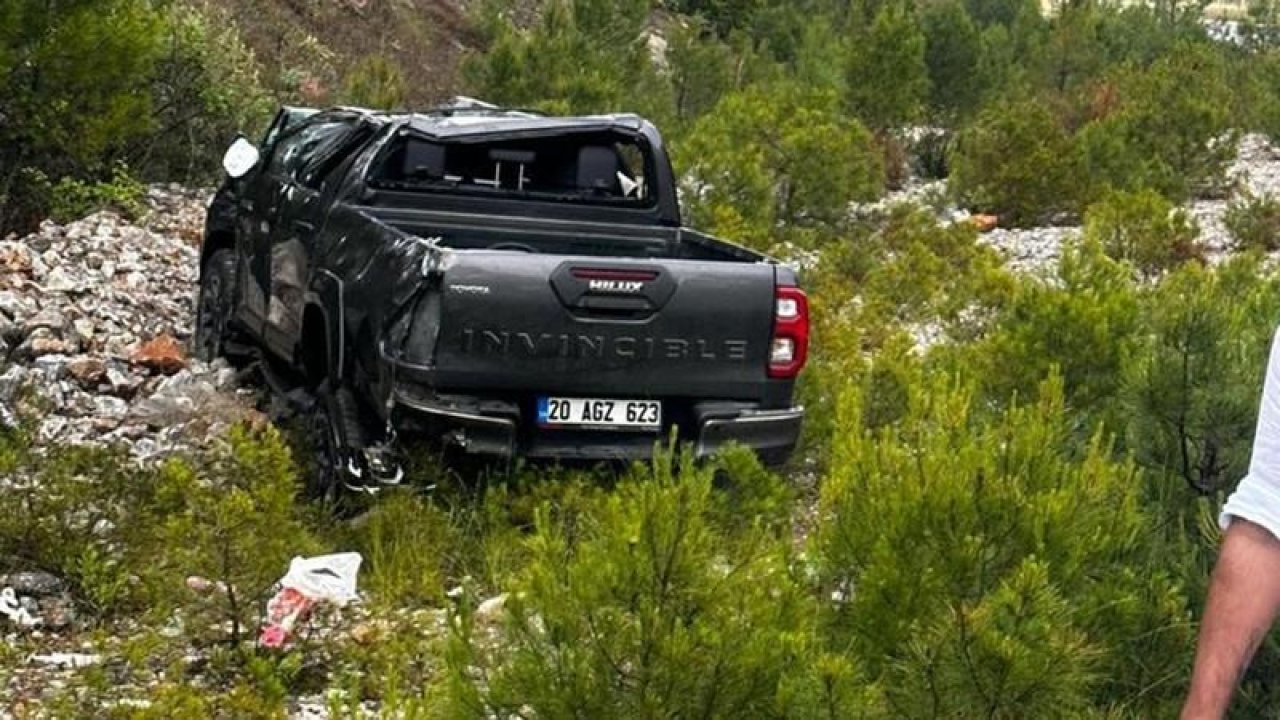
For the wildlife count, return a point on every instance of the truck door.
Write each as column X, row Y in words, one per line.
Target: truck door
column 279, row 202
column 253, row 197
column 299, row 214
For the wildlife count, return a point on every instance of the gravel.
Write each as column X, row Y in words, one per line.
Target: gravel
column 1255, row 171
column 95, row 317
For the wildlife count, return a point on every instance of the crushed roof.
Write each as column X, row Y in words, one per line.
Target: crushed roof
column 453, row 124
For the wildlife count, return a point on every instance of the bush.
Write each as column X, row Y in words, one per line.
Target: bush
column 887, row 81
column 877, row 288
column 953, row 53
column 74, row 91
column 1004, row 575
column 580, row 57
column 234, row 520
column 1193, row 388
column 407, row 544
column 770, row 156
column 91, row 87
column 921, row 271
column 375, row 82
column 1254, row 222
column 647, row 606
column 206, row 88
column 72, row 199
column 125, row 537
column 1170, row 129
column 1082, row 324
column 73, row 513
column 1016, row 161
column 1144, row 229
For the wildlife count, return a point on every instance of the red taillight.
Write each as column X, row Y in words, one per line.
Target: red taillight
column 789, row 349
column 612, row 274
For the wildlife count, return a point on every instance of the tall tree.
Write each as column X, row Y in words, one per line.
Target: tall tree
column 953, row 54
column 887, row 78
column 74, row 87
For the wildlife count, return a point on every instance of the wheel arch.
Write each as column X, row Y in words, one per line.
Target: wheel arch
column 213, row 242
column 322, row 344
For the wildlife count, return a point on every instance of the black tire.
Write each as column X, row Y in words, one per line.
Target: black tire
column 324, row 483
column 215, row 305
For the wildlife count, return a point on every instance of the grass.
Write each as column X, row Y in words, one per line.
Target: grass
column 235, row 513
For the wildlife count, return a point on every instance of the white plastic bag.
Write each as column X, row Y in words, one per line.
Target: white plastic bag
column 327, row 578
column 309, row 582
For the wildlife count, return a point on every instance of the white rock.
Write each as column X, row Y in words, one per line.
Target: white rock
column 110, row 407
column 59, row 280
column 493, row 607
column 69, row 660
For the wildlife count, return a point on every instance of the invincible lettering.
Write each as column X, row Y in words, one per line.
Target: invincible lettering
column 506, row 343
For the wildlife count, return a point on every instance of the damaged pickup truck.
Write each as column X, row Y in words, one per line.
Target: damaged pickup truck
column 507, row 283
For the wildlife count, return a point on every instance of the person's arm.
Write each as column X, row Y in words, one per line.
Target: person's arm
column 1244, row 594
column 1244, row 597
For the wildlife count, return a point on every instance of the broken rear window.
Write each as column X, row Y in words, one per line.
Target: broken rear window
column 591, row 168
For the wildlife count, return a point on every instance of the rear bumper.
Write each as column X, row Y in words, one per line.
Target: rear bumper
column 499, row 428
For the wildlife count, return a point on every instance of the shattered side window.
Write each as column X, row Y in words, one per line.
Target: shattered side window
column 296, row 149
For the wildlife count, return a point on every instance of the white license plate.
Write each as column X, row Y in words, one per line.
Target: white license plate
column 600, row 413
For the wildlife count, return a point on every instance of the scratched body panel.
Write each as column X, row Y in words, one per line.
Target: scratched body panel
column 475, row 301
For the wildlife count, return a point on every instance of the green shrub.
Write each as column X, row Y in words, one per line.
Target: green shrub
column 879, row 288
column 1018, row 162
column 887, row 79
column 1082, row 324
column 987, row 569
column 645, row 607
column 72, row 199
column 206, row 88
column 953, row 53
column 74, row 91
column 89, row 88
column 1144, row 229
column 581, row 56
column 1194, row 385
column 923, row 271
column 73, row 512
column 235, row 519
column 375, row 82
column 1254, row 222
column 766, row 157
column 1170, row 130
column 407, row 544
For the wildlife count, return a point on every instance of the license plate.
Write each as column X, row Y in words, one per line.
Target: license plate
column 600, row 413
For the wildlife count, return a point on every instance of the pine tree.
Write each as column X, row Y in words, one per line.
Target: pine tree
column 984, row 569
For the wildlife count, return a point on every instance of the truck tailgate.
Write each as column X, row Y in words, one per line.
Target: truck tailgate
column 514, row 321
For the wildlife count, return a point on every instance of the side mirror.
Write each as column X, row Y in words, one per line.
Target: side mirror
column 240, row 158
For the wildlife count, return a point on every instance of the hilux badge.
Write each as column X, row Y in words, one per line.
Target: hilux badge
column 615, row 286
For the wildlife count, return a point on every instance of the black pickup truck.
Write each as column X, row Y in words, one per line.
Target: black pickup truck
column 508, row 283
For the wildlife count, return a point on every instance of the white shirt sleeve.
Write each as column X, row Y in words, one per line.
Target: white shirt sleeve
column 1257, row 499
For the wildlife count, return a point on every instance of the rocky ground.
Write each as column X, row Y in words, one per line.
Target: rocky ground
column 1256, row 171
column 95, row 328
column 95, row 320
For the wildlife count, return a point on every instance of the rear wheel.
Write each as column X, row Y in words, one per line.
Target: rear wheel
column 325, row 480
column 215, row 305
column 329, row 430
